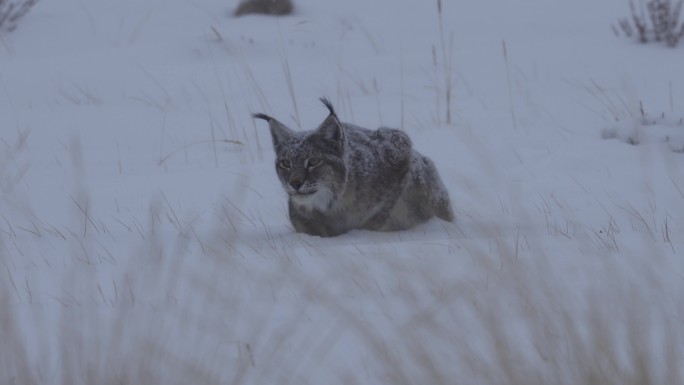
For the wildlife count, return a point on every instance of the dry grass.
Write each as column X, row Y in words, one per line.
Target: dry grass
column 509, row 84
column 655, row 21
column 444, row 70
column 11, row 11
column 232, row 306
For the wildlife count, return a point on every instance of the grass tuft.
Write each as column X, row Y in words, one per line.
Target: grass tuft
column 655, row 21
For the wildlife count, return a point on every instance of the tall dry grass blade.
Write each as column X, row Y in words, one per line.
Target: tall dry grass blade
column 510, row 85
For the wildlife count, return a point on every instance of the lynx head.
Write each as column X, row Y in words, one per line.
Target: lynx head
column 310, row 164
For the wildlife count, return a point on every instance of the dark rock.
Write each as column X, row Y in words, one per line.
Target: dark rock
column 264, row 7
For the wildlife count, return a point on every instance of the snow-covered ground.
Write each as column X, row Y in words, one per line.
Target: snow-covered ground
column 144, row 235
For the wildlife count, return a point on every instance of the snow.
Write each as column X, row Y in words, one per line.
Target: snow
column 648, row 130
column 144, row 235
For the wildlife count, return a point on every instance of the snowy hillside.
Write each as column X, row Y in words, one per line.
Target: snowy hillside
column 144, row 236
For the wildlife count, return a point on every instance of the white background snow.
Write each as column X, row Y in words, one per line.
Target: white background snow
column 144, row 235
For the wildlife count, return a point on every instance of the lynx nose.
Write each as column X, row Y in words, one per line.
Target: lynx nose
column 296, row 183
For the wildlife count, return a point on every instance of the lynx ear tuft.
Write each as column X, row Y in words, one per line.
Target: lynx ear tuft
column 279, row 132
column 262, row 116
column 329, row 106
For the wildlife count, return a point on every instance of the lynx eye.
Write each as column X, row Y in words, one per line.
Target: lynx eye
column 285, row 164
column 313, row 162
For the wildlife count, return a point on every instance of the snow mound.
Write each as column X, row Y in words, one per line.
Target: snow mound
column 648, row 129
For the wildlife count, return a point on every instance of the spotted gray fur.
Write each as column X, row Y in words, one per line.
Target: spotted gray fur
column 340, row 177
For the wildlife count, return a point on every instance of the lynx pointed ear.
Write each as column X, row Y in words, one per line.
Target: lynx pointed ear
column 331, row 129
column 279, row 132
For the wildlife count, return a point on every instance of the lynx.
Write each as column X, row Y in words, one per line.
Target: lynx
column 340, row 177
